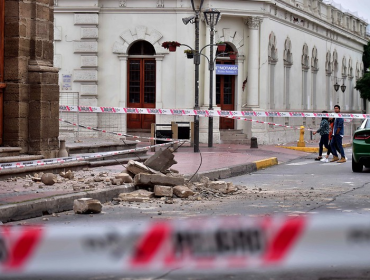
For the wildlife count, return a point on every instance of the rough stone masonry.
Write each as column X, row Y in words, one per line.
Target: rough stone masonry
column 31, row 98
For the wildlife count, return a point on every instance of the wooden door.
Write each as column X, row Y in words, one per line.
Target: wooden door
column 141, row 91
column 225, row 96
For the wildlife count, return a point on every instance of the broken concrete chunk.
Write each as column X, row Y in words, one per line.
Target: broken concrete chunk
column 116, row 181
column 98, row 179
column 126, row 178
column 161, row 160
column 136, row 196
column 49, row 179
column 87, row 206
column 182, row 191
column 217, row 185
column 157, row 179
column 163, row 191
column 136, row 167
column 69, row 175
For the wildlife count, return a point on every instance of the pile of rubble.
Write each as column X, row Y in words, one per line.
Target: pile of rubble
column 156, row 179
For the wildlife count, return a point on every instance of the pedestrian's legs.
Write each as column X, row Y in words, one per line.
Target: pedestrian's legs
column 340, row 146
column 325, row 139
column 333, row 146
column 321, row 144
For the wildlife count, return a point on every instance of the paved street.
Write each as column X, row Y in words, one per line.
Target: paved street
column 301, row 186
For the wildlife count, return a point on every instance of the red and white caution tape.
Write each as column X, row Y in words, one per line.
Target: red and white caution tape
column 212, row 245
column 207, row 113
column 22, row 164
column 270, row 123
column 120, row 134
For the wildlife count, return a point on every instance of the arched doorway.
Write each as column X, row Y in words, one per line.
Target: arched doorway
column 141, row 85
column 225, row 90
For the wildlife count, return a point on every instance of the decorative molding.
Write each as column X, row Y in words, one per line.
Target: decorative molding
column 89, row 33
column 88, row 61
column 86, row 19
column 254, row 22
column 335, row 62
column 305, row 58
column 85, row 47
column 328, row 64
column 288, row 56
column 122, row 4
column 160, row 3
column 350, row 68
column 344, row 67
column 231, row 36
column 82, row 75
column 272, row 49
column 129, row 36
column 314, row 60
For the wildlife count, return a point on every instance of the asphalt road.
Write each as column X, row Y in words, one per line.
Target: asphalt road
column 298, row 187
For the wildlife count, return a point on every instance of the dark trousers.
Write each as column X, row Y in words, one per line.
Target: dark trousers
column 336, row 142
column 323, row 142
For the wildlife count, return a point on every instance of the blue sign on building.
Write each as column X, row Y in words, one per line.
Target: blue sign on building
column 226, row 69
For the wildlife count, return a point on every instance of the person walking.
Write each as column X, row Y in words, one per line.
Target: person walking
column 331, row 125
column 338, row 133
column 324, row 132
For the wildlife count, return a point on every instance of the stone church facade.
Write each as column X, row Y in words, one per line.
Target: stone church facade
column 29, row 84
column 290, row 53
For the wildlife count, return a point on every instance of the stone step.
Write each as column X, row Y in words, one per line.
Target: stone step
column 107, row 146
column 240, row 142
column 20, row 158
column 233, row 137
column 9, row 151
column 230, row 131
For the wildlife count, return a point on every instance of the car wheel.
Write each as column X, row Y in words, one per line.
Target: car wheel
column 356, row 167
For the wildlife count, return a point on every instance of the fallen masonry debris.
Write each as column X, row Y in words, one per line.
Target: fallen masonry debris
column 182, row 191
column 87, row 206
column 161, row 160
column 49, row 179
column 158, row 179
column 136, row 196
column 163, row 191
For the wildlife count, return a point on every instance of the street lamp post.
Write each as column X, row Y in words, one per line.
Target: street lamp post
column 197, row 63
column 212, row 17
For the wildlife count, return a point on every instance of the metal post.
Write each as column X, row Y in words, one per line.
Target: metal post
column 211, row 69
column 196, row 62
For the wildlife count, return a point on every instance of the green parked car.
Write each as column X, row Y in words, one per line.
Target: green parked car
column 361, row 147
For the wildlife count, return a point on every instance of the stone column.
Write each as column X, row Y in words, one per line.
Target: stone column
column 31, row 105
column 239, row 89
column 158, row 81
column 123, row 89
column 253, row 24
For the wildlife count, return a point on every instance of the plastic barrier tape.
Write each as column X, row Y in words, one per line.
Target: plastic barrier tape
column 202, row 245
column 22, row 164
column 121, row 134
column 207, row 113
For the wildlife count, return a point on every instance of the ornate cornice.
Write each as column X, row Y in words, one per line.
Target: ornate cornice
column 253, row 22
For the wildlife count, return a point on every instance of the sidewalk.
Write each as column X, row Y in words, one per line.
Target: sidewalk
column 221, row 161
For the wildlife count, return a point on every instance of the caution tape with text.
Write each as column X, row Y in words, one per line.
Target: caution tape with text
column 207, row 244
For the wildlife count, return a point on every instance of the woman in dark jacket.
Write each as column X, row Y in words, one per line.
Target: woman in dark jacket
column 324, row 132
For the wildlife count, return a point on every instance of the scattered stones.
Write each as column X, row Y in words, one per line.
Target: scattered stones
column 136, row 167
column 35, row 179
column 126, row 178
column 98, row 179
column 136, row 196
column 182, row 191
column 158, row 179
column 49, row 179
column 163, row 191
column 69, row 175
column 87, row 206
column 116, row 181
column 161, row 160
column 169, row 201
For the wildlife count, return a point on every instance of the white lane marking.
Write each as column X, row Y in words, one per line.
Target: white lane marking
column 300, row 163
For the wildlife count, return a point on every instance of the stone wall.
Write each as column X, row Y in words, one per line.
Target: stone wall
column 31, row 99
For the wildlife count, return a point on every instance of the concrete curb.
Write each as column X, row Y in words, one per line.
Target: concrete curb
column 55, row 204
column 60, row 203
column 235, row 170
column 310, row 149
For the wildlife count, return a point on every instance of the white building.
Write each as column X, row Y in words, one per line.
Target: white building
column 290, row 54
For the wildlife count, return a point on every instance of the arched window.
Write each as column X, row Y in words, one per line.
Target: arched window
column 141, row 48
column 141, row 86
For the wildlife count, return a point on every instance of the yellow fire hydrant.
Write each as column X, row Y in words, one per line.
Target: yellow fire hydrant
column 301, row 142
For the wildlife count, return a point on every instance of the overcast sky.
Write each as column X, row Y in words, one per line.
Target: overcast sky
column 362, row 7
